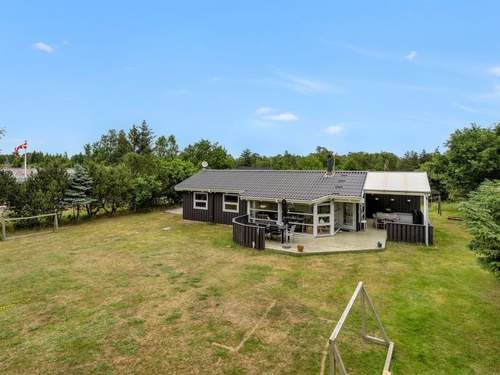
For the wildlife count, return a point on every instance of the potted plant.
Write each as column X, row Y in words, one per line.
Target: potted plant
column 300, row 248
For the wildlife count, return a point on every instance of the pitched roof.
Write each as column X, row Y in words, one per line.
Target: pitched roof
column 401, row 182
column 18, row 173
column 274, row 184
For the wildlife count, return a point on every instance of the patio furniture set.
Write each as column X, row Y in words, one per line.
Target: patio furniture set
column 380, row 219
column 284, row 232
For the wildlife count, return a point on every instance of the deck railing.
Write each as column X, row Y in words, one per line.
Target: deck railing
column 413, row 233
column 247, row 234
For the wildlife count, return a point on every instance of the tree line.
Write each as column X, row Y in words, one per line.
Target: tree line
column 134, row 169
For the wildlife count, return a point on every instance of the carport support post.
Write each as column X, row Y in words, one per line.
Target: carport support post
column 280, row 213
column 315, row 220
column 426, row 219
column 332, row 218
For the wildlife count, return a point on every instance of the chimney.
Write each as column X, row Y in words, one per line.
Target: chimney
column 330, row 166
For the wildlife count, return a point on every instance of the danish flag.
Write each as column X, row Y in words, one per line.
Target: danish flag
column 23, row 146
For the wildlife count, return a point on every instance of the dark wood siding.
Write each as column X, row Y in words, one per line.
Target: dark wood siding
column 222, row 217
column 391, row 203
column 248, row 235
column 214, row 214
column 190, row 213
column 412, row 233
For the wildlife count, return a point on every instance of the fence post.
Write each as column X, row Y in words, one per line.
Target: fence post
column 4, row 233
column 56, row 222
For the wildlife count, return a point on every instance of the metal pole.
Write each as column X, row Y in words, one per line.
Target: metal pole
column 426, row 219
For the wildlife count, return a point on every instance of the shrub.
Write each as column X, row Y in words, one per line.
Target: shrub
column 482, row 216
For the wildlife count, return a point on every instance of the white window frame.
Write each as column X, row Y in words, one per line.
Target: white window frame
column 252, row 210
column 237, row 203
column 200, row 200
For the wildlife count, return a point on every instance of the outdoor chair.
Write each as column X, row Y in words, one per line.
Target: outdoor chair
column 380, row 223
column 290, row 232
column 363, row 225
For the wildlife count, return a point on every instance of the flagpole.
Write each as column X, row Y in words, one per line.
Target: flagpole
column 25, row 160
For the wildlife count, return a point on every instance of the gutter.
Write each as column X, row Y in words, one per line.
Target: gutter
column 395, row 192
column 337, row 198
column 205, row 190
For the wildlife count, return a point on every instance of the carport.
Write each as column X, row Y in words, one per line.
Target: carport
column 404, row 198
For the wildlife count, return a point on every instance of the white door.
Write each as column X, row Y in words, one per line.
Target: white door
column 339, row 215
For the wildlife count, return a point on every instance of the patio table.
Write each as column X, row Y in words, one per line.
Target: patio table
column 277, row 228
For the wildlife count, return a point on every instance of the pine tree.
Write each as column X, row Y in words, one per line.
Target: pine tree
column 123, row 145
column 133, row 137
column 145, row 139
column 166, row 148
column 79, row 192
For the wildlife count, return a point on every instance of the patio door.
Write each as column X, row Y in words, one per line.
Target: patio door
column 348, row 216
column 323, row 221
column 347, row 213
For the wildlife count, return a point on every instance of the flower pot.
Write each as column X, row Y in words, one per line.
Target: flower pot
column 300, row 248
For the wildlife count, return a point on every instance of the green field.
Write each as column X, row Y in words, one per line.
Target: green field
column 121, row 295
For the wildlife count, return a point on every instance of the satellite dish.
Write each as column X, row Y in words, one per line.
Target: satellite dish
column 204, row 164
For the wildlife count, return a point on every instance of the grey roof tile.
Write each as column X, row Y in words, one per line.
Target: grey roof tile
column 276, row 184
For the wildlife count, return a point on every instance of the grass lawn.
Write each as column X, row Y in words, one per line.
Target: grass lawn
column 121, row 295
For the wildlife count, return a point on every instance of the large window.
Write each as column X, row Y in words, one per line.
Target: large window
column 230, row 203
column 200, row 201
column 263, row 211
column 301, row 215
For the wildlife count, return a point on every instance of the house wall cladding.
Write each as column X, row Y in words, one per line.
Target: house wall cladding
column 391, row 203
column 412, row 233
column 214, row 214
column 248, row 235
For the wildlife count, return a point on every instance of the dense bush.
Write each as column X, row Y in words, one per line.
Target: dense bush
column 482, row 216
column 42, row 192
column 472, row 155
column 111, row 187
column 10, row 191
column 170, row 173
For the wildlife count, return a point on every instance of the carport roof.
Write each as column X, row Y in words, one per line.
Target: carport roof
column 397, row 182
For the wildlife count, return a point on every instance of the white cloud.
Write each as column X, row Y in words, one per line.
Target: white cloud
column 306, row 86
column 411, row 56
column 494, row 71
column 264, row 110
column 285, row 117
column 334, row 129
column 41, row 46
column 465, row 108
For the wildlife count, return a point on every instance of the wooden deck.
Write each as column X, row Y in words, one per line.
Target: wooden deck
column 340, row 243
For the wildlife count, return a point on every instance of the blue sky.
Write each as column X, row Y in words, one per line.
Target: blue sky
column 267, row 75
